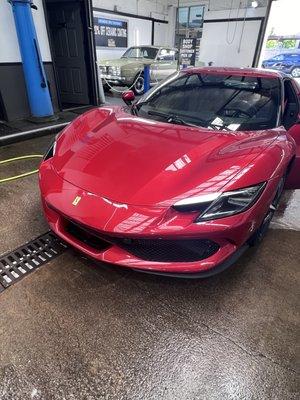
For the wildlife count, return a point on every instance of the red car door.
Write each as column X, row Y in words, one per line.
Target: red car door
column 293, row 181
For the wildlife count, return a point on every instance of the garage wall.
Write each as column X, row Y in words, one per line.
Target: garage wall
column 161, row 34
column 147, row 8
column 230, row 37
column 239, row 53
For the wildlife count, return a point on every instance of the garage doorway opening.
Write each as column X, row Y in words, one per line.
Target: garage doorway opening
column 281, row 45
column 72, row 51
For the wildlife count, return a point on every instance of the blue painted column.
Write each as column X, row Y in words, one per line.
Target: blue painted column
column 146, row 78
column 35, row 78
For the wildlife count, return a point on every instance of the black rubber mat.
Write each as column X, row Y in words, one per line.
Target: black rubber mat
column 27, row 258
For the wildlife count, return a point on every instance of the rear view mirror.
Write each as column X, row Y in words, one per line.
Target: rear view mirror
column 128, row 97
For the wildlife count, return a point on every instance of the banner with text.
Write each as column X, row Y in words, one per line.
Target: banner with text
column 110, row 32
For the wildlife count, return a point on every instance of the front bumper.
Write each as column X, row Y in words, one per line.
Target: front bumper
column 116, row 224
column 114, row 79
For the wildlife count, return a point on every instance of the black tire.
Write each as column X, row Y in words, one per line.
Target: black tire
column 106, row 88
column 138, row 87
column 258, row 236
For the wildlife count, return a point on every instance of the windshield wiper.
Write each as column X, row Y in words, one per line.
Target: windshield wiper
column 171, row 118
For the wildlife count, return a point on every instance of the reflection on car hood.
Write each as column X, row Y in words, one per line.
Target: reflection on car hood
column 139, row 161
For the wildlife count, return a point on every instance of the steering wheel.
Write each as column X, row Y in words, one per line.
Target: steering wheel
column 249, row 111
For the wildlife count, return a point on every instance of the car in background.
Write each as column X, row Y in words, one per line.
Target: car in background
column 182, row 181
column 129, row 69
column 288, row 63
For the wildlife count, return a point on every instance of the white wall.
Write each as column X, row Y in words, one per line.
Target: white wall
column 161, row 34
column 215, row 47
column 9, row 46
column 231, row 44
column 147, row 8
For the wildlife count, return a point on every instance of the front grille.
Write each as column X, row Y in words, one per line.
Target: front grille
column 86, row 236
column 157, row 250
column 103, row 70
column 166, row 250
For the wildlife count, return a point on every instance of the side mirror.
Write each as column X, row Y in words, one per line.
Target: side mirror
column 128, row 97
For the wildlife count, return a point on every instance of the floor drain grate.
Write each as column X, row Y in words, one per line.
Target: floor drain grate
column 27, row 258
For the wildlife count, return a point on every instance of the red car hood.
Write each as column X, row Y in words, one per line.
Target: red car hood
column 131, row 160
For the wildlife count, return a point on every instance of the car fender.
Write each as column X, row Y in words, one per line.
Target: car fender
column 271, row 164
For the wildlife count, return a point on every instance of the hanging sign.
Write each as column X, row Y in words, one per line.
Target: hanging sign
column 110, row 32
column 188, row 51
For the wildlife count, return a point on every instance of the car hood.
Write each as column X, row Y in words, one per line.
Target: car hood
column 120, row 62
column 132, row 160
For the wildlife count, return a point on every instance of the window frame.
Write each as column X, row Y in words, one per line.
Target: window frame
column 290, row 82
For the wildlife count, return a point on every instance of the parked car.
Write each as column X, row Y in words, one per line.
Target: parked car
column 288, row 63
column 128, row 70
column 182, row 181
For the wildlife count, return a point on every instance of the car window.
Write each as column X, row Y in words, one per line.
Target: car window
column 291, row 105
column 279, row 57
column 218, row 101
column 166, row 55
column 141, row 52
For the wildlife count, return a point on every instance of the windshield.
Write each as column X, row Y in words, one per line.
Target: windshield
column 141, row 52
column 215, row 101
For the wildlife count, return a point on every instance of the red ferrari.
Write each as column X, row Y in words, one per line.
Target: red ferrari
column 182, row 181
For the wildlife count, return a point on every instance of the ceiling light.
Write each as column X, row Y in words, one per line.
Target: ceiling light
column 254, row 4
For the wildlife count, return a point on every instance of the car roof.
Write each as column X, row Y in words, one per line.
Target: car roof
column 284, row 54
column 255, row 72
column 155, row 47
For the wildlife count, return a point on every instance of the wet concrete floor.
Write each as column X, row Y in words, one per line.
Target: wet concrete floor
column 77, row 330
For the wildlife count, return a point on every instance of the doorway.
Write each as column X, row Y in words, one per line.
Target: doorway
column 67, row 22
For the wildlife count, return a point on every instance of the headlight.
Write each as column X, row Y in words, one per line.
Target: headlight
column 52, row 149
column 114, row 71
column 222, row 205
column 102, row 70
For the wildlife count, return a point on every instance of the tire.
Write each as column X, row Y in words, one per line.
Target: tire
column 138, row 86
column 295, row 72
column 106, row 88
column 258, row 236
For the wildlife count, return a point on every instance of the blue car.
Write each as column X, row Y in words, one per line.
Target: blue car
column 286, row 62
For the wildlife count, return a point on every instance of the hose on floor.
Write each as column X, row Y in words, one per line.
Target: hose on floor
column 12, row 178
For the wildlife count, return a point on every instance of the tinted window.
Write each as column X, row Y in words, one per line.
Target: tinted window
column 217, row 101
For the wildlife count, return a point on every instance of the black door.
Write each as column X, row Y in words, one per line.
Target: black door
column 68, row 44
